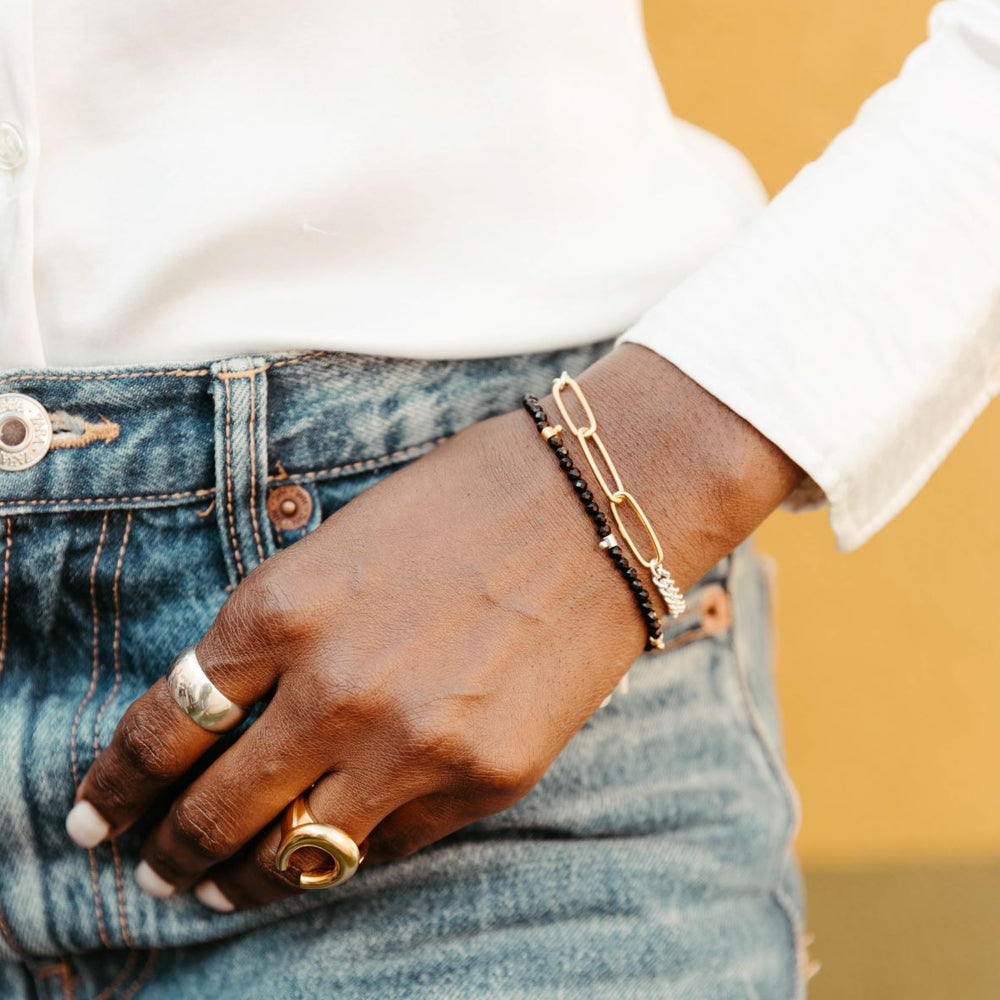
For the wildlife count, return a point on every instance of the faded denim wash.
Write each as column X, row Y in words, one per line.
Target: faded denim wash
column 653, row 859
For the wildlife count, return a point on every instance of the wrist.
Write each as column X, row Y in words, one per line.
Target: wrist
column 704, row 476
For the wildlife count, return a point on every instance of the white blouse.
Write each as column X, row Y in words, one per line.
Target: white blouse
column 182, row 180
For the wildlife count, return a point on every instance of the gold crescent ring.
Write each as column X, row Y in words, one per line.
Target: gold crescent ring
column 300, row 828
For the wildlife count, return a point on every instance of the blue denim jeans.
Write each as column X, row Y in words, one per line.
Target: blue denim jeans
column 652, row 860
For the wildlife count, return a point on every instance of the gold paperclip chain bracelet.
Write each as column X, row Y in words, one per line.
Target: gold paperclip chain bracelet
column 613, row 488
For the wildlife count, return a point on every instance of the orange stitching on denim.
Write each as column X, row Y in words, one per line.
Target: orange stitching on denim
column 252, row 385
column 116, row 646
column 148, row 496
column 8, row 524
column 106, row 431
column 229, row 484
column 74, row 761
column 175, row 373
column 98, row 905
column 365, row 463
column 8, row 935
column 294, row 361
column 172, row 373
column 120, row 976
column 66, row 979
column 95, row 654
column 243, row 374
column 143, row 976
column 116, row 591
column 120, row 893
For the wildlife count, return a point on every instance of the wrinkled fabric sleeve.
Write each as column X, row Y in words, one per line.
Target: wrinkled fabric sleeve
column 856, row 321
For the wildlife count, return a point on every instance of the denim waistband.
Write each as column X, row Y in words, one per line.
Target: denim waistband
column 136, row 436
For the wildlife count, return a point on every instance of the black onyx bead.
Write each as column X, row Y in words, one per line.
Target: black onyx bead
column 603, row 530
column 573, row 472
column 562, row 451
column 601, row 520
column 590, row 507
column 651, row 616
column 615, row 550
column 567, row 464
column 554, row 442
column 636, row 585
column 621, row 562
column 642, row 593
column 579, row 485
column 587, row 496
column 632, row 574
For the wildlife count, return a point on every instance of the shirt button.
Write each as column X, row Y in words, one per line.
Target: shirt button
column 12, row 149
column 25, row 432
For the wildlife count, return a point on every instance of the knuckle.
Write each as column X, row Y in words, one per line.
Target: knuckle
column 266, row 604
column 397, row 844
column 499, row 781
column 201, row 831
column 165, row 864
column 265, row 860
column 497, row 775
column 110, row 790
column 143, row 748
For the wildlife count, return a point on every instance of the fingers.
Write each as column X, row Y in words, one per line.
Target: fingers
column 251, row 877
column 156, row 743
column 231, row 801
column 417, row 825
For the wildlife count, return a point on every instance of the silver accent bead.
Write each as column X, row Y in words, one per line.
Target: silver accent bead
column 669, row 591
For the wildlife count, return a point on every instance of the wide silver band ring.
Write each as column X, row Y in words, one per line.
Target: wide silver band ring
column 203, row 702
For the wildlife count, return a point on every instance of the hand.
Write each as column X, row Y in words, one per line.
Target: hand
column 429, row 650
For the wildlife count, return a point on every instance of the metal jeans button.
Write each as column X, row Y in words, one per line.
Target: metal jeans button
column 25, row 432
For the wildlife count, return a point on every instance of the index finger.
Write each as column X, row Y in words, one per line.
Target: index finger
column 154, row 744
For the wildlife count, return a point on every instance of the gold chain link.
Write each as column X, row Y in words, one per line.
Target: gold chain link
column 615, row 490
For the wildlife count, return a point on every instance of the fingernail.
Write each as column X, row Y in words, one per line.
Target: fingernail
column 152, row 883
column 209, row 894
column 85, row 825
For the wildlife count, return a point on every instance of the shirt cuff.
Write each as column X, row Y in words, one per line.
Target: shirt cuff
column 856, row 321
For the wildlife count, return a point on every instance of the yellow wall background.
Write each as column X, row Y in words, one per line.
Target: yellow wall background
column 888, row 657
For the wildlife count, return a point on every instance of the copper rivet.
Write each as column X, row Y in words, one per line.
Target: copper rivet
column 289, row 507
column 715, row 610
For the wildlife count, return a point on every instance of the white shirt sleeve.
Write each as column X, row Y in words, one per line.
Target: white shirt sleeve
column 856, row 322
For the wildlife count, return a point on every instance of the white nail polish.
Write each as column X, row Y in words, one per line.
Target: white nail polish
column 85, row 825
column 152, row 883
column 209, row 894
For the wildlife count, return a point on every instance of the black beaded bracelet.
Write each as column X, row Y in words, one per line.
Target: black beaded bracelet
column 650, row 618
